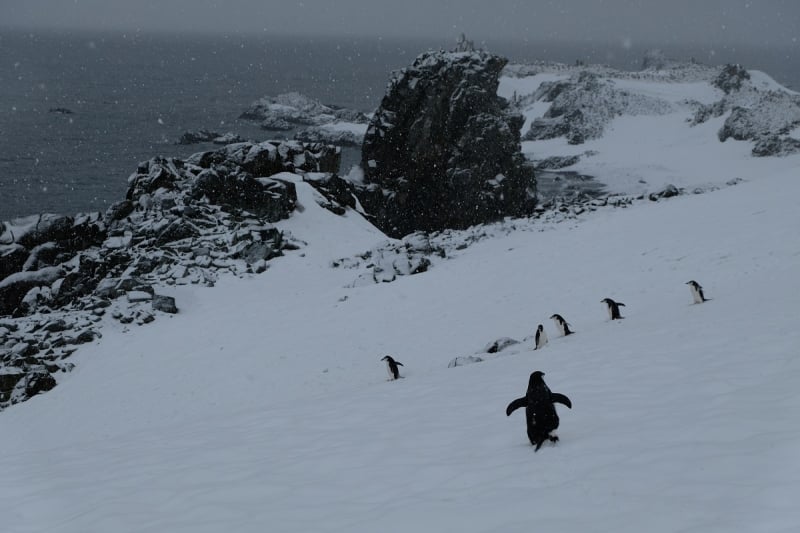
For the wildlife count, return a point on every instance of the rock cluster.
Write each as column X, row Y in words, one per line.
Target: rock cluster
column 387, row 261
column 182, row 222
column 443, row 150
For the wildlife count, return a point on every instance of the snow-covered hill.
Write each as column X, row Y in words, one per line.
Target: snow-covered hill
column 688, row 125
column 263, row 405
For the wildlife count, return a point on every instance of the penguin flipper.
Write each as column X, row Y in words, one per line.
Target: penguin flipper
column 557, row 397
column 516, row 404
column 620, row 304
column 398, row 363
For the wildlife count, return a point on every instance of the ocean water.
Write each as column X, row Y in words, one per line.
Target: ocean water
column 131, row 96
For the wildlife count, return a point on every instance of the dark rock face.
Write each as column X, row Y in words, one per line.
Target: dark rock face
column 443, row 150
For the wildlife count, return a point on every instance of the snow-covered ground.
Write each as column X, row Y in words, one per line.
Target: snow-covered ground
column 263, row 405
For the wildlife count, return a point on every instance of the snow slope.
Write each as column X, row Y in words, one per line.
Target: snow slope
column 263, row 405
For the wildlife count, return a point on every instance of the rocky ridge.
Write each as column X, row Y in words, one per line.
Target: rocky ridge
column 182, row 222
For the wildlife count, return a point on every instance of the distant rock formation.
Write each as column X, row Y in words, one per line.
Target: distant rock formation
column 321, row 134
column 290, row 110
column 443, row 150
column 207, row 136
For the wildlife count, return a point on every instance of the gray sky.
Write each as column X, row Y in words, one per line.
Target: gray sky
column 768, row 22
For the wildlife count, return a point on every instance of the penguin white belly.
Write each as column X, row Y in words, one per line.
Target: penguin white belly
column 698, row 298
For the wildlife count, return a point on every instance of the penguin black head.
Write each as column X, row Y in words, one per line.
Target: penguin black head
column 540, row 328
column 536, row 377
column 693, row 283
column 556, row 316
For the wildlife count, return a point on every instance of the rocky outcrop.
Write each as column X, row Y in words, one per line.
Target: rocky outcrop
column 731, row 78
column 443, row 150
column 182, row 222
column 764, row 115
column 581, row 107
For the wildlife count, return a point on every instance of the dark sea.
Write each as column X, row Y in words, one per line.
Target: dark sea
column 78, row 111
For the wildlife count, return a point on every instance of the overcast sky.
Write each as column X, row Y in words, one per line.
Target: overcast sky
column 768, row 22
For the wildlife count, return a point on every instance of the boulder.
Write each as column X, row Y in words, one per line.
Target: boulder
column 164, row 304
column 443, row 150
column 14, row 287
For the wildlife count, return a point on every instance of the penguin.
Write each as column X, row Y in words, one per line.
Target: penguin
column 697, row 292
column 541, row 337
column 561, row 325
column 540, row 413
column 613, row 308
column 391, row 366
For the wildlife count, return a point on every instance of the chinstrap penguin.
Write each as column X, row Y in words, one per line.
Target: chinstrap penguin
column 391, row 367
column 613, row 308
column 541, row 337
column 540, row 413
column 697, row 292
column 561, row 325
